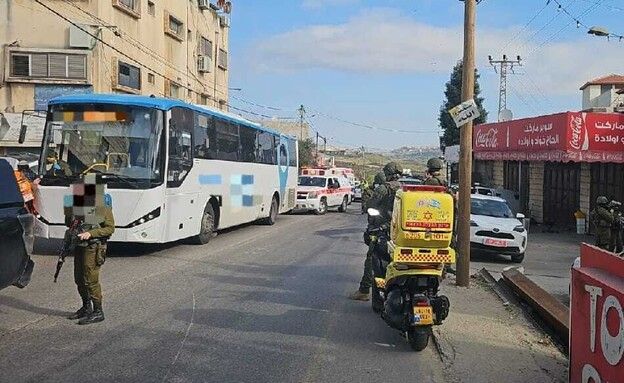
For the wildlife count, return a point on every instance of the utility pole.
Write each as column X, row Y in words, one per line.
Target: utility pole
column 465, row 148
column 302, row 112
column 363, row 162
column 505, row 65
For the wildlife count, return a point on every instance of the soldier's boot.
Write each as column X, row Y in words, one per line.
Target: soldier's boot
column 96, row 316
column 82, row 312
column 359, row 296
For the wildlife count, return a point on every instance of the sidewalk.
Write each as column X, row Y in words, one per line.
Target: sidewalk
column 484, row 341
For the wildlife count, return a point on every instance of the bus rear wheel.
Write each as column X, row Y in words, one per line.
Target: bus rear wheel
column 270, row 220
column 207, row 226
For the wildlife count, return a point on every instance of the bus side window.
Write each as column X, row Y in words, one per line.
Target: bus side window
column 227, row 140
column 266, row 148
column 204, row 138
column 283, row 154
column 292, row 150
column 248, row 141
column 180, row 145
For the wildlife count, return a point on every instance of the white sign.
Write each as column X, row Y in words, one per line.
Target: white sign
column 464, row 112
column 451, row 154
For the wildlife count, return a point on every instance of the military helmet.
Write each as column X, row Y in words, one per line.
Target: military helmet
column 391, row 169
column 435, row 164
column 602, row 200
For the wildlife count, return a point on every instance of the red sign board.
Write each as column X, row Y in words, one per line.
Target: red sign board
column 597, row 318
column 570, row 136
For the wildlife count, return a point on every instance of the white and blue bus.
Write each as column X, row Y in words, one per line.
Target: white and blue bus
column 174, row 170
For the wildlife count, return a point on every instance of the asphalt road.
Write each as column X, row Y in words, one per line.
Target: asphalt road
column 257, row 304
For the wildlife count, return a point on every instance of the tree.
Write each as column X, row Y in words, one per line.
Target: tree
column 453, row 98
column 306, row 153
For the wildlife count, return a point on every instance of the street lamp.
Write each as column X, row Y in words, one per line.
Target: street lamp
column 236, row 89
column 598, row 31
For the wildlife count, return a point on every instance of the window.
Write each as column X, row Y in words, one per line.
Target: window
column 203, row 99
column 50, row 66
column 266, row 148
column 128, row 76
column 172, row 89
column 151, row 78
column 605, row 88
column 151, row 8
column 292, row 150
column 205, row 137
column 223, row 59
column 180, row 145
column 205, row 47
column 131, row 7
column 174, row 27
column 227, row 140
column 283, row 155
column 248, row 141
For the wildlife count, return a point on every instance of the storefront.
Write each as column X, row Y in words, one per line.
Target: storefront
column 557, row 164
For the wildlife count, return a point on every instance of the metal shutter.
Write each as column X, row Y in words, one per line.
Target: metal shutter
column 58, row 65
column 20, row 65
column 38, row 65
column 77, row 66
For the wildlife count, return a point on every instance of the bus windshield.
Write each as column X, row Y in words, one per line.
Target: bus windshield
column 124, row 143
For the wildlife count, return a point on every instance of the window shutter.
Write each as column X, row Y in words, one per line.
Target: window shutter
column 38, row 65
column 58, row 65
column 223, row 59
column 167, row 88
column 20, row 65
column 76, row 66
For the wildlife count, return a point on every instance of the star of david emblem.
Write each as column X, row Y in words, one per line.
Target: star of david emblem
column 428, row 215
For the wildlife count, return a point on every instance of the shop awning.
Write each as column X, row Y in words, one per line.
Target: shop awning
column 569, row 136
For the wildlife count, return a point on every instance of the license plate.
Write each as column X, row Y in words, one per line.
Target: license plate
column 495, row 242
column 423, row 315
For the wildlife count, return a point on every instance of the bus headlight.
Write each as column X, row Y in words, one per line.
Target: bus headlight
column 147, row 217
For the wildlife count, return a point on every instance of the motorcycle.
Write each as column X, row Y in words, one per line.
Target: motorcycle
column 408, row 262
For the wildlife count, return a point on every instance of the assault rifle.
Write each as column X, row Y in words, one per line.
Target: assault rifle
column 69, row 244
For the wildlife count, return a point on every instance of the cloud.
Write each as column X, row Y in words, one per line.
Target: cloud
column 317, row 4
column 383, row 41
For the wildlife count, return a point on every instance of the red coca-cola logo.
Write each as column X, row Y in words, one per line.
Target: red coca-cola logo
column 577, row 128
column 487, row 139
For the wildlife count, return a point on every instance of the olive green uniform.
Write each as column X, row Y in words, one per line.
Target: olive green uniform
column 89, row 256
column 435, row 180
column 615, row 243
column 382, row 200
column 602, row 219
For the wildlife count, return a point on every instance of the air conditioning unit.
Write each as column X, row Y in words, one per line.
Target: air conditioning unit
column 204, row 4
column 204, row 64
column 224, row 21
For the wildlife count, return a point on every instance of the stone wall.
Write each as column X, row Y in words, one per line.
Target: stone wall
column 536, row 191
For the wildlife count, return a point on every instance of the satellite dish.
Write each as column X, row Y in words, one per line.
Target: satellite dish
column 505, row 115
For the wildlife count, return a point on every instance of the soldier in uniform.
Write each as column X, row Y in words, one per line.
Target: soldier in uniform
column 434, row 177
column 379, row 179
column 602, row 220
column 91, row 208
column 382, row 200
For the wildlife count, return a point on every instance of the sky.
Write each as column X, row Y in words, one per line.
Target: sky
column 383, row 64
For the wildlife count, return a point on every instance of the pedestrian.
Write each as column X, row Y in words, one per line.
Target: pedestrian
column 615, row 244
column 602, row 220
column 382, row 199
column 434, row 175
column 25, row 183
column 379, row 179
column 89, row 208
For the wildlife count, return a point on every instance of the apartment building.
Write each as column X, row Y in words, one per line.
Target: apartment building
column 171, row 48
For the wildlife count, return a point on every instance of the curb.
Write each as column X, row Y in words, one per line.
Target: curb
column 445, row 349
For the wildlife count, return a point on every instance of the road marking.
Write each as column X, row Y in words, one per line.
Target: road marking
column 188, row 330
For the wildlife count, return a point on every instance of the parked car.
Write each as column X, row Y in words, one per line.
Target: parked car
column 357, row 191
column 495, row 229
column 16, row 232
column 320, row 193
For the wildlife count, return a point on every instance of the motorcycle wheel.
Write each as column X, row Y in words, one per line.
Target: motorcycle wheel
column 376, row 301
column 418, row 337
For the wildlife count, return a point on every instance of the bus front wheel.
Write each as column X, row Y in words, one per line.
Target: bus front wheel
column 207, row 226
column 270, row 220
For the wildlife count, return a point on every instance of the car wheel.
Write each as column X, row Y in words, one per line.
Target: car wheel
column 343, row 206
column 517, row 258
column 322, row 207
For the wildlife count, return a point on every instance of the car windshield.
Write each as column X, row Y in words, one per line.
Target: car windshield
column 490, row 208
column 122, row 142
column 313, row 181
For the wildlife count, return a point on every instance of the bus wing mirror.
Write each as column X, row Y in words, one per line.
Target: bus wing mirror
column 22, row 134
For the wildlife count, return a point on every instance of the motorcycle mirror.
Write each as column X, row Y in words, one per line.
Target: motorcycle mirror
column 373, row 212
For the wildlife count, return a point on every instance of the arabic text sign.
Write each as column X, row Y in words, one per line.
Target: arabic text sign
column 464, row 112
column 597, row 318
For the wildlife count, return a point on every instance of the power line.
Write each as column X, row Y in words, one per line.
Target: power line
column 370, row 127
column 524, row 28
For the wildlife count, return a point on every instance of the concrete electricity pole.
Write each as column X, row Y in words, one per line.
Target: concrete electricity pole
column 505, row 65
column 302, row 112
column 465, row 148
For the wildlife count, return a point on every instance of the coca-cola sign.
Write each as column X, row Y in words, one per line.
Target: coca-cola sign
column 487, row 138
column 578, row 131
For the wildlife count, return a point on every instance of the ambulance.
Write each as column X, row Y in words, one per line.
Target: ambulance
column 336, row 171
column 321, row 189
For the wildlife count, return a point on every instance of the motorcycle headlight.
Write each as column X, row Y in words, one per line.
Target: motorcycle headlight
column 312, row 194
column 146, row 218
column 519, row 229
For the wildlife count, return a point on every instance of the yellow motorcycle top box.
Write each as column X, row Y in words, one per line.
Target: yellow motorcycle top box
column 422, row 217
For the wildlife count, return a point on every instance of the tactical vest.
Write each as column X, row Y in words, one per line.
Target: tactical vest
column 387, row 203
